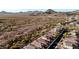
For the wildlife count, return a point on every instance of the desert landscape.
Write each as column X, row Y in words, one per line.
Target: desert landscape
column 37, row 29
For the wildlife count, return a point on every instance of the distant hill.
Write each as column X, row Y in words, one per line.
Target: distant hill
column 50, row 11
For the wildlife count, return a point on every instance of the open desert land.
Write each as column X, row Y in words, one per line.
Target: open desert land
column 19, row 29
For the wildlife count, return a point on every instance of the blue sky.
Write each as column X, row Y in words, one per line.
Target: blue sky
column 22, row 5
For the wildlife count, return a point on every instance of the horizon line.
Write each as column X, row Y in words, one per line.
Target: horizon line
column 26, row 10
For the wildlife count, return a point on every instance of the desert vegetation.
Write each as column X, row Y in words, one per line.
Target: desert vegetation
column 19, row 29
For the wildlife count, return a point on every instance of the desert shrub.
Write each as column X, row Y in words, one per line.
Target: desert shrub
column 65, row 34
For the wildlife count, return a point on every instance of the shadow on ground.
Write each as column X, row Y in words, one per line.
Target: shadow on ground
column 76, row 46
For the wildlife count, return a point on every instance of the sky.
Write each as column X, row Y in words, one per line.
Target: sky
column 22, row 5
